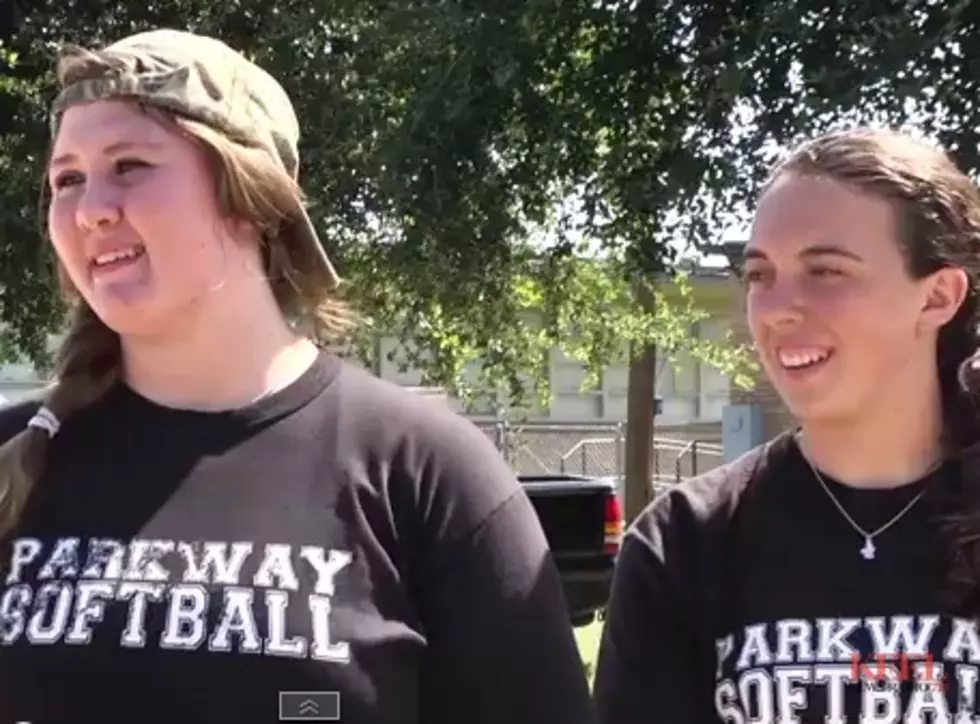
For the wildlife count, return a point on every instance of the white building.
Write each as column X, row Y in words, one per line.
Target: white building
column 694, row 394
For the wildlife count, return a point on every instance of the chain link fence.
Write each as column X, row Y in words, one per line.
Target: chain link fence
column 594, row 450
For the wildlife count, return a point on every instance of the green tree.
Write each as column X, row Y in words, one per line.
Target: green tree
column 470, row 161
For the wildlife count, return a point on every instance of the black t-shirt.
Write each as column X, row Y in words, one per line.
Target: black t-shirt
column 345, row 541
column 742, row 596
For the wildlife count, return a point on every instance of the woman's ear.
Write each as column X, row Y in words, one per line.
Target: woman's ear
column 946, row 290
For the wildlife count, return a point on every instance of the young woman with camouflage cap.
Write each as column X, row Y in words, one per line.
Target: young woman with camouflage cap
column 207, row 510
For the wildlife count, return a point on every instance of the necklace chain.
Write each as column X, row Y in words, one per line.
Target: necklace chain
column 868, row 550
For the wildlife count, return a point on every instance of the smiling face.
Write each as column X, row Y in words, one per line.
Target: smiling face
column 133, row 217
column 839, row 323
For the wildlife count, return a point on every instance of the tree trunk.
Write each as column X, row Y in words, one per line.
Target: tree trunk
column 640, row 412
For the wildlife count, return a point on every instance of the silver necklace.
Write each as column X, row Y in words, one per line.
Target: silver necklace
column 868, row 550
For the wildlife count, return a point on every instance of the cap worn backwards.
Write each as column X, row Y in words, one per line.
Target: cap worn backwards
column 204, row 79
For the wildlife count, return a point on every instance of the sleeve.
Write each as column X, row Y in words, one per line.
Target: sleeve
column 649, row 670
column 501, row 646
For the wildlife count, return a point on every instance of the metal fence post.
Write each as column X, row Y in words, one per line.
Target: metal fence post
column 505, row 440
column 620, row 441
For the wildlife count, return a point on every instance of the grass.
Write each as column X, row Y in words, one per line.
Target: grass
column 588, row 638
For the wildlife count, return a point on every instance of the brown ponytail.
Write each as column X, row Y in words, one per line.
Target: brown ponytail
column 87, row 364
column 962, row 519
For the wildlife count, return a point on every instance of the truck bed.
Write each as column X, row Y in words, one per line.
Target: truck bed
column 582, row 521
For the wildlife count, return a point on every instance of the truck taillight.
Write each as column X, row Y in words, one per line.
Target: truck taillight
column 613, row 524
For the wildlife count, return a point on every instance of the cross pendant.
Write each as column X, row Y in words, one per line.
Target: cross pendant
column 868, row 551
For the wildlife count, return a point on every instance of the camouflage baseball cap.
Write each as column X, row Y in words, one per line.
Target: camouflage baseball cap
column 204, row 79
